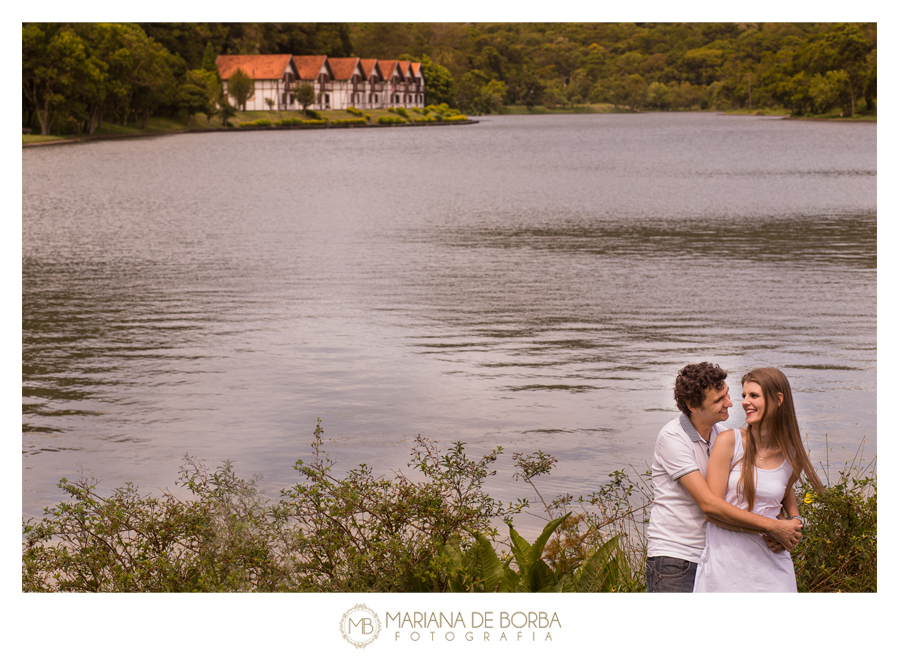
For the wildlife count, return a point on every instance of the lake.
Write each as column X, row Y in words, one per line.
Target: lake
column 531, row 282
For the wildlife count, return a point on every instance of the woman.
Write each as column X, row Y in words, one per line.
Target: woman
column 755, row 468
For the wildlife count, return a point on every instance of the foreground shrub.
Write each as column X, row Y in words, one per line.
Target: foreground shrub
column 386, row 120
column 252, row 124
column 361, row 532
column 357, row 533
column 221, row 540
column 839, row 550
column 367, row 533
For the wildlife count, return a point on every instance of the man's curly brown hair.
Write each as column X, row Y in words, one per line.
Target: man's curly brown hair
column 692, row 383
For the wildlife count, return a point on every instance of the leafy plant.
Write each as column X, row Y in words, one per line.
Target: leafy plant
column 361, row 532
column 220, row 540
column 839, row 551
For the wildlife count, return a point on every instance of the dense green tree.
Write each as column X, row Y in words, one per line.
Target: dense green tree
column 305, row 94
column 209, row 58
column 200, row 92
column 55, row 64
column 192, row 99
column 240, row 88
column 439, row 84
column 225, row 110
column 830, row 90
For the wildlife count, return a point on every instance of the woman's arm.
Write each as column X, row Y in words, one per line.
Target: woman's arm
column 717, row 473
column 720, row 462
column 789, row 503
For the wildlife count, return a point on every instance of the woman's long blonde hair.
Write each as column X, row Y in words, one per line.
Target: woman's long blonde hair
column 780, row 422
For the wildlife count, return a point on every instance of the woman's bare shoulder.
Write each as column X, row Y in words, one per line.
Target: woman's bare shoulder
column 727, row 436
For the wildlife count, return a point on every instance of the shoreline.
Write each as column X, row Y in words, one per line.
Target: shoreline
column 86, row 138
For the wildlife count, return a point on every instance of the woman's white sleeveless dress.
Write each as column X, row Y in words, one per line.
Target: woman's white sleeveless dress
column 740, row 561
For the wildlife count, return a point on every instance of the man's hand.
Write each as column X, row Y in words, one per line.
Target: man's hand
column 785, row 532
column 774, row 546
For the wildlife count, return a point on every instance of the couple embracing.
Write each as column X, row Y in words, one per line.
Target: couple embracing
column 724, row 514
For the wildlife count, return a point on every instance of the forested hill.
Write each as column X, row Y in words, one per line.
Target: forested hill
column 806, row 68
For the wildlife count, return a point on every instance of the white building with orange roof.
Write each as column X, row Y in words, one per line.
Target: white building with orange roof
column 374, row 84
column 403, row 94
column 316, row 70
column 390, row 69
column 349, row 83
column 272, row 75
column 418, row 85
column 339, row 82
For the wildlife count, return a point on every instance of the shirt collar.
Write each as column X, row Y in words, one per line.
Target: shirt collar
column 693, row 434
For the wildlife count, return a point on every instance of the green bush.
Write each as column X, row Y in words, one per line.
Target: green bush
column 349, row 122
column 384, row 120
column 839, row 551
column 352, row 110
column 253, row 124
column 360, row 532
column 402, row 112
column 220, row 540
column 294, row 121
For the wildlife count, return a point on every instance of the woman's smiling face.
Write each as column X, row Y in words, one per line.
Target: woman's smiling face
column 753, row 402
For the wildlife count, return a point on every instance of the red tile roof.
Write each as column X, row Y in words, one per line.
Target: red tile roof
column 404, row 68
column 258, row 67
column 416, row 67
column 371, row 66
column 308, row 66
column 343, row 67
column 387, row 67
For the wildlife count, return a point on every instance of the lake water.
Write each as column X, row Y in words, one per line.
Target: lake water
column 530, row 282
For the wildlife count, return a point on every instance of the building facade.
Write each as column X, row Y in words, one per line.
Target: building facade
column 338, row 82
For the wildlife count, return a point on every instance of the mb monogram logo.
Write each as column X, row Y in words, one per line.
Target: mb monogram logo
column 360, row 626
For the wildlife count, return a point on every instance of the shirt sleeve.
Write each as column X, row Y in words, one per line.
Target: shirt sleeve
column 675, row 454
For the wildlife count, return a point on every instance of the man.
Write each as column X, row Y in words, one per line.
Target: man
column 677, row 531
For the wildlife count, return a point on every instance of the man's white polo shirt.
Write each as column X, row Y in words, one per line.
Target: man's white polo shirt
column 677, row 525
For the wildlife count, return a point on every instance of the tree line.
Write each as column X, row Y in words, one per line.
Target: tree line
column 806, row 68
column 75, row 75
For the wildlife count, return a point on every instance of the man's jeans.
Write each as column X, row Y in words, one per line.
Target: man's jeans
column 670, row 574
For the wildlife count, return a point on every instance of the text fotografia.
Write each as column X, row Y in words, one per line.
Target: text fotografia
column 480, row 626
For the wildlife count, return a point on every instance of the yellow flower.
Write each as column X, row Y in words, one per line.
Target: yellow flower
column 809, row 497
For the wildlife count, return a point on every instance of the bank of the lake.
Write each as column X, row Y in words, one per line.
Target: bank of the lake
column 201, row 123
